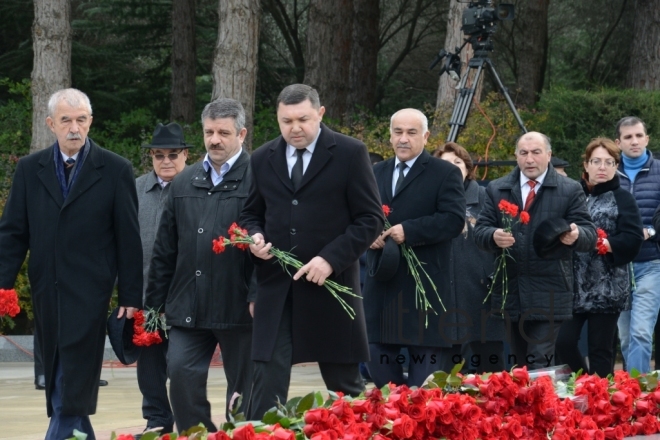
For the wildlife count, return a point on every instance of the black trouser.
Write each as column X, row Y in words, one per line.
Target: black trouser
column 600, row 337
column 188, row 360
column 152, row 380
column 484, row 357
column 38, row 357
column 386, row 363
column 272, row 378
column 533, row 345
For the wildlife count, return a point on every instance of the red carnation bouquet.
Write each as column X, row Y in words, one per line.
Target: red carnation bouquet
column 509, row 213
column 601, row 249
column 240, row 238
column 9, row 307
column 415, row 267
column 146, row 327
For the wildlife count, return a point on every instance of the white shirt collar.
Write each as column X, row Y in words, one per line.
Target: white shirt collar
column 162, row 182
column 409, row 162
column 539, row 180
column 65, row 157
column 225, row 166
column 291, row 150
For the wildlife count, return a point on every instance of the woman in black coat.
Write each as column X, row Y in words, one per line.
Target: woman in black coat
column 482, row 336
column 602, row 279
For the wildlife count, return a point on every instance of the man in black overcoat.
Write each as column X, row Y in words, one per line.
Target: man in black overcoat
column 427, row 203
column 205, row 295
column 313, row 193
column 74, row 207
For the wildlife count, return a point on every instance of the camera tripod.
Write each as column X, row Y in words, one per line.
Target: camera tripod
column 465, row 95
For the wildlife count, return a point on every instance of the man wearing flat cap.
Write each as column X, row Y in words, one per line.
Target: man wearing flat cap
column 540, row 270
column 168, row 152
column 205, row 295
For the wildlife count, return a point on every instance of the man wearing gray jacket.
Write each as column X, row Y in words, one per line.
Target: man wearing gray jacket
column 168, row 152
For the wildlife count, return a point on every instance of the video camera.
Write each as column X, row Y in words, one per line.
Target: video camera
column 479, row 22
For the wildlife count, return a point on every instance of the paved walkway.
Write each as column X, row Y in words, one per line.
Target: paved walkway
column 23, row 409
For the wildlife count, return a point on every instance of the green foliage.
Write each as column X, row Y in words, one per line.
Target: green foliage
column 572, row 118
column 15, row 117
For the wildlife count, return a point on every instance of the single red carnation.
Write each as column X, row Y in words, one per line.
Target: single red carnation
column 219, row 245
column 9, row 303
column 386, row 210
column 524, row 217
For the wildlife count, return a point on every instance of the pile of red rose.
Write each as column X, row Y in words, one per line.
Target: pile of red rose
column 496, row 406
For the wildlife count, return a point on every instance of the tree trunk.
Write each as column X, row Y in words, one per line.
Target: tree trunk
column 235, row 57
column 534, row 52
column 51, row 71
column 644, row 71
column 453, row 39
column 183, row 61
column 363, row 76
column 328, row 53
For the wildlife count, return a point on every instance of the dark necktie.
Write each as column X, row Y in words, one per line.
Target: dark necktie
column 68, row 166
column 531, row 195
column 402, row 166
column 297, row 171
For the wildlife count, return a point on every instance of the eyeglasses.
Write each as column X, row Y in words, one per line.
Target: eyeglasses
column 609, row 163
column 170, row 156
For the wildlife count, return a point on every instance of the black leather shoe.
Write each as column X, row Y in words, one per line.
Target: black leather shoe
column 103, row 383
column 40, row 382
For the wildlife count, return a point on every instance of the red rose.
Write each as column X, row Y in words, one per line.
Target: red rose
column 417, row 412
column 219, row 245
column 403, row 427
column 245, row 432
column 386, row 210
column 615, row 432
column 220, row 435
column 317, row 415
column 620, row 398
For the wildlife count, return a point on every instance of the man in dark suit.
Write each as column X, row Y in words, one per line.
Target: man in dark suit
column 74, row 207
column 539, row 292
column 427, row 203
column 313, row 193
column 205, row 295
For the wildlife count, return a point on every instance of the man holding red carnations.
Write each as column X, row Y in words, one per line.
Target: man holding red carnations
column 425, row 204
column 204, row 295
column 538, row 279
column 313, row 194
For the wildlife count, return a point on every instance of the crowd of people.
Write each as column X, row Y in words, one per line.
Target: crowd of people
column 587, row 253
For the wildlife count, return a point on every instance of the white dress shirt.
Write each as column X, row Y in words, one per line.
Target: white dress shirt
column 292, row 157
column 216, row 177
column 395, row 176
column 525, row 188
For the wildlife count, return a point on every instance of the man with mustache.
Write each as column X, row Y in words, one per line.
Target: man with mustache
column 168, row 153
column 427, row 203
column 74, row 207
column 205, row 296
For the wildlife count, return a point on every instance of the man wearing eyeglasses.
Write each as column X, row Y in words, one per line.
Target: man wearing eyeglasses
column 168, row 153
column 205, row 295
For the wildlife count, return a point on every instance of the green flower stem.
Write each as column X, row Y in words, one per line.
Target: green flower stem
column 414, row 267
column 287, row 259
